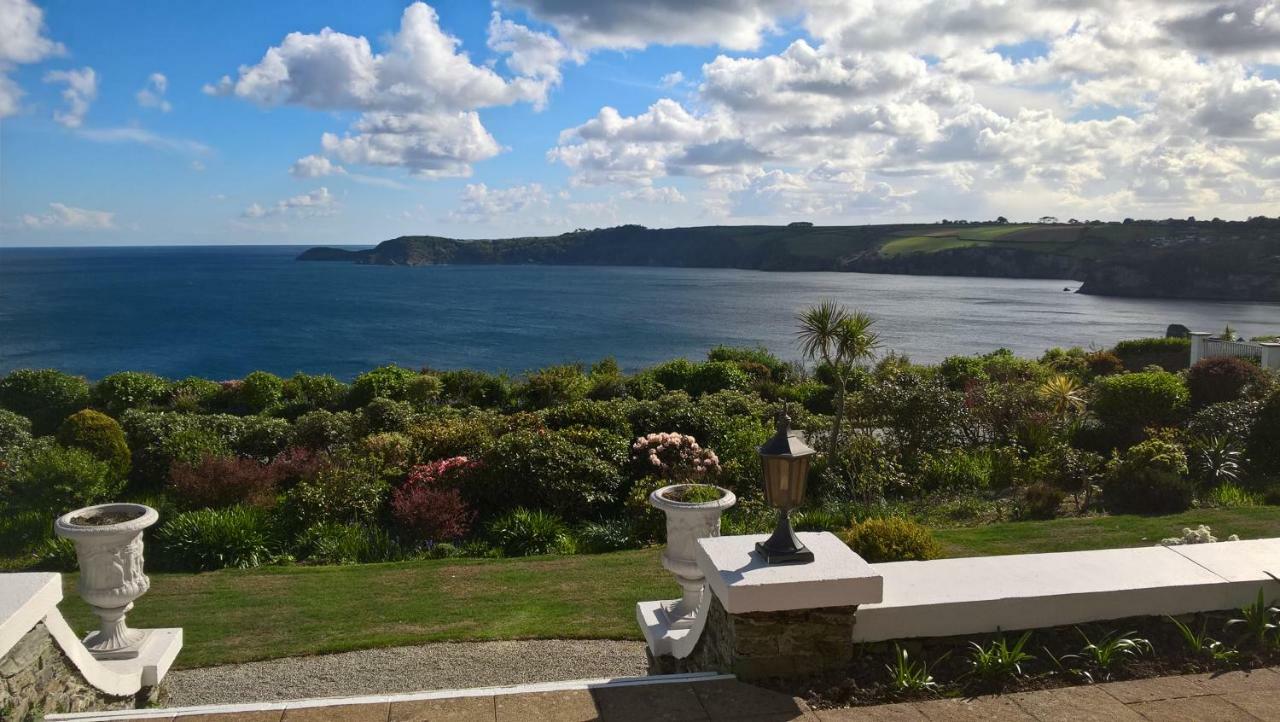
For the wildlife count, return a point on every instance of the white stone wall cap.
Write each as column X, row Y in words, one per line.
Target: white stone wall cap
column 661, row 638
column 66, row 529
column 743, row 582
column 979, row 595
column 658, row 499
column 25, row 599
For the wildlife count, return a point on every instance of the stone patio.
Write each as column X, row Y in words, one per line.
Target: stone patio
column 1245, row 696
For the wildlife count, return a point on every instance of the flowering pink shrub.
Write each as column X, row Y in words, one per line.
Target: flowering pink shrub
column 428, row 506
column 677, row 457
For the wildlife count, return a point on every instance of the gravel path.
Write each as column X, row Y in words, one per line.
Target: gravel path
column 406, row 669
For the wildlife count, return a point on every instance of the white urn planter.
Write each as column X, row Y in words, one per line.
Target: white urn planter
column 686, row 523
column 108, row 539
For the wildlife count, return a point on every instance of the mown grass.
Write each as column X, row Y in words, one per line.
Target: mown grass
column 926, row 244
column 236, row 616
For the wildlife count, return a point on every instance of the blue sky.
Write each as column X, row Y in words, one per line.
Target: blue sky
column 736, row 111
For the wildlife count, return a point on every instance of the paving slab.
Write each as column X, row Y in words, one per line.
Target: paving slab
column 567, row 706
column 902, row 712
column 451, row 709
column 374, row 712
column 732, row 700
column 667, row 702
column 1081, row 704
column 1193, row 709
column 1265, row 705
column 256, row 716
column 998, row 709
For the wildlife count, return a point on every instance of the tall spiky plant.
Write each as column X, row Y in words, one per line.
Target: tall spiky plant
column 1064, row 394
column 833, row 335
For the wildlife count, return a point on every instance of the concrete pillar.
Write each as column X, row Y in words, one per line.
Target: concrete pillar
column 1270, row 355
column 1197, row 345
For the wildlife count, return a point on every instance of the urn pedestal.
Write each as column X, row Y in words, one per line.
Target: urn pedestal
column 687, row 522
column 108, row 539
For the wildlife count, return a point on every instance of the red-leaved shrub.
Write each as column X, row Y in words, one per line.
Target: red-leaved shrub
column 428, row 507
column 1221, row 378
column 295, row 464
column 221, row 481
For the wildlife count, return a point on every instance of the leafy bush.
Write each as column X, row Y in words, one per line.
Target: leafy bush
column 1231, row 495
column 677, row 457
column 607, row 415
column 596, row 537
column 448, row 437
column 351, row 491
column 45, row 396
column 543, row 471
column 221, row 481
column 117, row 393
column 1231, row 420
column 382, row 415
column 1149, row 478
column 156, row 439
column 209, row 539
column 1103, row 363
column 98, row 434
column 758, row 357
column 260, row 437
column 1221, row 378
column 956, row 470
column 466, row 387
column 1129, row 403
column 260, row 391
column 1070, row 470
column 1041, row 501
column 423, row 390
column 52, row 478
column 428, row 507
column 1170, row 354
column 332, row 543
column 715, row 376
column 15, row 430
column 307, row 392
column 553, row 386
column 1264, row 438
column 522, row 532
column 892, row 540
column 193, row 394
column 388, row 382
column 322, row 430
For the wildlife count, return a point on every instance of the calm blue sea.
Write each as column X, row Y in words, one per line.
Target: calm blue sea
column 221, row 312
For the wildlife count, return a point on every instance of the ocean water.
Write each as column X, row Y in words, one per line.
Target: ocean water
column 221, row 312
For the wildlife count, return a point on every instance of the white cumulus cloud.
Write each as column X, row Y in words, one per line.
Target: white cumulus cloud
column 61, row 215
column 152, row 94
column 81, row 91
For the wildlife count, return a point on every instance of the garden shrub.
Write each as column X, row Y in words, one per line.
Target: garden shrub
column 1072, row 361
column 466, row 387
column 955, row 470
column 867, row 469
column 522, row 532
column 352, row 490
column 45, row 396
column 307, row 392
column 56, row 479
column 1129, row 403
column 260, row 391
column 388, row 382
column 961, row 372
column 322, row 430
column 1264, row 438
column 156, row 439
column 193, row 394
column 552, row 386
column 333, row 543
column 543, row 471
column 15, row 430
column 607, row 446
column 1232, row 420
column 607, row 381
column 1221, row 378
column 678, row 458
column 644, row 386
column 715, row 376
column 738, row 453
column 596, row 537
column 1149, row 478
column 423, row 390
column 261, row 437
column 1041, row 501
column 918, row 411
column 675, row 375
column 1170, row 354
column 757, row 357
column 448, row 437
column 390, row 452
column 208, row 539
column 647, row 524
column 382, row 415
column 117, row 393
column 608, row 415
column 1103, row 363
column 222, row 481
column 428, row 507
column 892, row 540
column 98, row 434
column 1070, row 470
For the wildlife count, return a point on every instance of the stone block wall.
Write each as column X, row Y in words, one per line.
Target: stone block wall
column 756, row 645
column 36, row 677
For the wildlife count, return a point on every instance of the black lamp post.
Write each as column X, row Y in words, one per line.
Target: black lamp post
column 785, row 458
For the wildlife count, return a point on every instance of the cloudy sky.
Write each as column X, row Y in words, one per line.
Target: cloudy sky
column 340, row 122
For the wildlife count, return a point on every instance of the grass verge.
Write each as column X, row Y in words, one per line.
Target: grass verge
column 237, row 616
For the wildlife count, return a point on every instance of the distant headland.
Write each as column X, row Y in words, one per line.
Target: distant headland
column 1214, row 260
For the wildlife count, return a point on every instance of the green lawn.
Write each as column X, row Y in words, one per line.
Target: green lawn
column 926, row 244
column 234, row 616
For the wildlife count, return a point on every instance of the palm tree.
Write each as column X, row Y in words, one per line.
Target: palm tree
column 832, row 334
column 1064, row 394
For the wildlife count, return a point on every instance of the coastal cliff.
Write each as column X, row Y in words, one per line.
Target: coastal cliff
column 1237, row 261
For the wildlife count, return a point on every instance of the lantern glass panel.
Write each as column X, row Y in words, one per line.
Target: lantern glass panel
column 785, row 480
